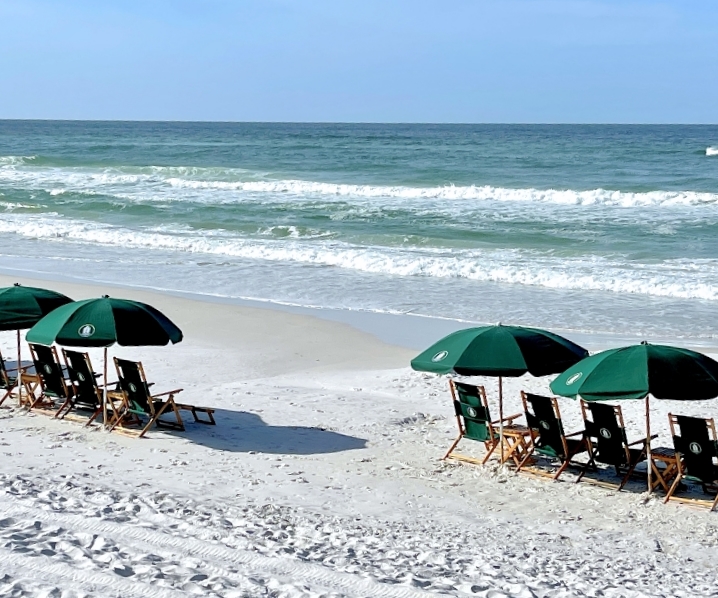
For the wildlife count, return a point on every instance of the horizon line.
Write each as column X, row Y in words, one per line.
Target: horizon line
column 363, row 122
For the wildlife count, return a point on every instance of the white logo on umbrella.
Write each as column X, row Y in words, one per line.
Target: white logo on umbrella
column 440, row 356
column 575, row 377
column 86, row 330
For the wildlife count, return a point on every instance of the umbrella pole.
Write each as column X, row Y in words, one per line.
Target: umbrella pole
column 19, row 372
column 649, row 460
column 501, row 419
column 104, row 393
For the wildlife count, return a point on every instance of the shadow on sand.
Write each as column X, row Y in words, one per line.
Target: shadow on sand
column 241, row 432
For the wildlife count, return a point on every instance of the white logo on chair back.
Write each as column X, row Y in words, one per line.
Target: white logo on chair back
column 80, row 376
column 440, row 356
column 695, row 448
column 574, row 378
column 471, row 412
column 605, row 433
column 86, row 330
column 545, row 425
column 132, row 387
column 47, row 368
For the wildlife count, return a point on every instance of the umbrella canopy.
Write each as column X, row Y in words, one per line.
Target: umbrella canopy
column 103, row 322
column 499, row 351
column 639, row 370
column 21, row 307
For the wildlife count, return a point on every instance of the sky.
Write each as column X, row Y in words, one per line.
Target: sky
column 472, row 61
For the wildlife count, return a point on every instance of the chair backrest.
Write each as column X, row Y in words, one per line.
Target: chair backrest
column 544, row 420
column 472, row 408
column 87, row 393
column 606, row 432
column 696, row 443
column 134, row 384
column 4, row 378
column 47, row 366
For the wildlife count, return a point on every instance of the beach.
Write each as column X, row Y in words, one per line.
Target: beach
column 322, row 478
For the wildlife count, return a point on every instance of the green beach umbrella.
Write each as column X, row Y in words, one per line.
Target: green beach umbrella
column 638, row 371
column 510, row 351
column 103, row 322
column 22, row 307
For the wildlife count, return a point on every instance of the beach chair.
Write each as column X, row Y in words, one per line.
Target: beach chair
column 475, row 423
column 696, row 444
column 50, row 376
column 608, row 443
column 87, row 395
column 8, row 380
column 139, row 403
column 548, row 438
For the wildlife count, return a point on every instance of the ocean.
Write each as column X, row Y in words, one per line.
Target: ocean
column 588, row 228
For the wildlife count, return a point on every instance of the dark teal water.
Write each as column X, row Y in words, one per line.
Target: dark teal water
column 597, row 228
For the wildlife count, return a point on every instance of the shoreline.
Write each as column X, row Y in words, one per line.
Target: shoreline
column 406, row 331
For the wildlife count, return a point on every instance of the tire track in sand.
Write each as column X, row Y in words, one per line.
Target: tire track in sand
column 249, row 563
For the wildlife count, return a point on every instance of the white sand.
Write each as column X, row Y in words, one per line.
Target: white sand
column 322, row 478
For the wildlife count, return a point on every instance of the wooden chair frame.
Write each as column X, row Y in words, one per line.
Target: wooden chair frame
column 514, row 445
column 9, row 384
column 568, row 452
column 45, row 401
column 157, row 405
column 632, row 456
column 682, row 473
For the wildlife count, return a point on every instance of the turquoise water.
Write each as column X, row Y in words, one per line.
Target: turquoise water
column 590, row 228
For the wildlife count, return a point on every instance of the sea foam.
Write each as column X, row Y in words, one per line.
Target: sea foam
column 685, row 279
column 226, row 186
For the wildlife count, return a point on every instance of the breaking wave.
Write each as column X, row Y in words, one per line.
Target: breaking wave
column 233, row 185
column 712, row 151
column 677, row 278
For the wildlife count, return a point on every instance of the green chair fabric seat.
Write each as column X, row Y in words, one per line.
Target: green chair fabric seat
column 53, row 385
column 548, row 437
column 88, row 395
column 474, row 420
column 608, row 443
column 139, row 403
column 696, row 444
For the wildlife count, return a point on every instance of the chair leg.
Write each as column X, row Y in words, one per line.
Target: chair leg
column 452, row 447
column 591, row 463
column 149, row 425
column 490, row 452
column 529, row 452
column 715, row 502
column 97, row 412
column 631, row 467
column 674, row 487
column 8, row 392
column 65, row 405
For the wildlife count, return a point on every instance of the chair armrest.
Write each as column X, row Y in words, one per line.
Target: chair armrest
column 508, row 418
column 642, row 440
column 580, row 433
column 169, row 392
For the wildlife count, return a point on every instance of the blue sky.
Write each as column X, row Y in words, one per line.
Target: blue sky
column 363, row 60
